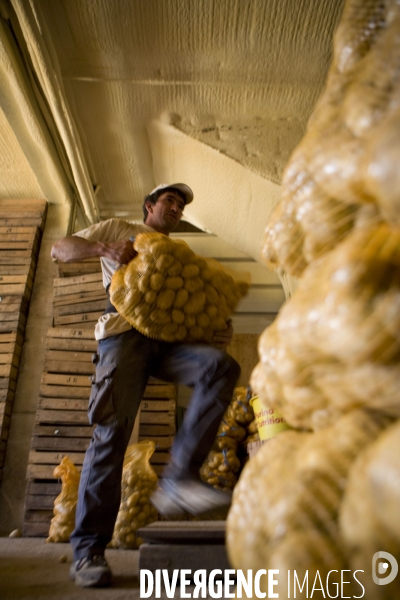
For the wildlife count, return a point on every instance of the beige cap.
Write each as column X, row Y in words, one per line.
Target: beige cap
column 182, row 187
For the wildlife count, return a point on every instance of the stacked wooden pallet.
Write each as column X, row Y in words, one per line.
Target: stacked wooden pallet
column 21, row 227
column 78, row 300
column 61, row 424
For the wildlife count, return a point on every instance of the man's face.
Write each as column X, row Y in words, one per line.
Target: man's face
column 166, row 213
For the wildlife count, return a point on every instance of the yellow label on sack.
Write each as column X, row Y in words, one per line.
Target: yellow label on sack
column 268, row 421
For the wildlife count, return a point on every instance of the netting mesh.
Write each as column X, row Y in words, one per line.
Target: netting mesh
column 169, row 293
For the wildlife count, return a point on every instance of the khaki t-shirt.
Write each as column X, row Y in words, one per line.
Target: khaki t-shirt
column 111, row 230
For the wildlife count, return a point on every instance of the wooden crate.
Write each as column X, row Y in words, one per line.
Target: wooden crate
column 78, row 301
column 21, row 227
column 61, row 425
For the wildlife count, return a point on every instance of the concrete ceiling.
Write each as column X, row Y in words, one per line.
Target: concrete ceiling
column 216, row 93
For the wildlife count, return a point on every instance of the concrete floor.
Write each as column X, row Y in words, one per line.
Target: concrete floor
column 32, row 569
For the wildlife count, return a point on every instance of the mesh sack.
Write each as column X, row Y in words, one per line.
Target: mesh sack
column 169, row 293
column 220, row 468
column 344, row 173
column 63, row 522
column 138, row 482
column 286, row 504
column 335, row 345
column 369, row 515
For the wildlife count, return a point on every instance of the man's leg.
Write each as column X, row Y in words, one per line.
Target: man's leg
column 121, row 377
column 213, row 375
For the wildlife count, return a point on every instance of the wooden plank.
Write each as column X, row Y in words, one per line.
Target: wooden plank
column 78, row 319
column 62, row 404
column 10, row 348
column 27, row 261
column 167, row 418
column 13, row 337
column 160, row 391
column 150, row 431
column 80, row 297
column 13, row 279
column 81, row 268
column 61, row 417
column 61, row 444
column 77, row 288
column 9, row 359
column 42, row 503
column 69, row 380
column 157, row 405
column 55, row 366
column 41, row 471
column 73, row 332
column 36, row 529
column 54, row 458
column 8, row 371
column 82, row 307
column 59, row 431
column 160, row 458
column 61, row 391
column 7, row 384
column 43, row 488
column 68, row 356
column 162, row 442
column 13, row 289
column 73, row 344
column 79, row 279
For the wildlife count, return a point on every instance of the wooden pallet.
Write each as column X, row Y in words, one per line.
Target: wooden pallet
column 177, row 545
column 78, row 301
column 21, row 227
column 61, row 425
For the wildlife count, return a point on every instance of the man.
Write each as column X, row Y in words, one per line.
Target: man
column 125, row 361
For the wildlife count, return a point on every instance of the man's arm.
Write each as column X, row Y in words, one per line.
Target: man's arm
column 75, row 249
column 223, row 338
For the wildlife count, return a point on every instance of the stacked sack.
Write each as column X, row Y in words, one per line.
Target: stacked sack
column 344, row 173
column 224, row 462
column 322, row 499
column 138, row 483
column 64, row 509
column 135, row 511
column 169, row 293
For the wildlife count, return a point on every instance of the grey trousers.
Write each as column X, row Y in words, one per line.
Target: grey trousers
column 125, row 362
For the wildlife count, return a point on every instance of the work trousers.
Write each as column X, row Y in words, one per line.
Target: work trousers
column 124, row 364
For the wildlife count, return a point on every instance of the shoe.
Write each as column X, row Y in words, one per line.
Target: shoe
column 173, row 498
column 91, row 571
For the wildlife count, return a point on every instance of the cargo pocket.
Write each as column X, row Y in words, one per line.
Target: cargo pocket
column 101, row 406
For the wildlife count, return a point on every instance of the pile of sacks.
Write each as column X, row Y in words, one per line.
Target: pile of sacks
column 322, row 499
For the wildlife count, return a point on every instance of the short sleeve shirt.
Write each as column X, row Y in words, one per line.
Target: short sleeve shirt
column 112, row 230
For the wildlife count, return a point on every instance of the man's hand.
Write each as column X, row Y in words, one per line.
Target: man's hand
column 122, row 252
column 223, row 338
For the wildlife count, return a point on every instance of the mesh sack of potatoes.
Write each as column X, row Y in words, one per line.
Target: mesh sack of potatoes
column 240, row 408
column 63, row 522
column 369, row 517
column 138, row 482
column 222, row 464
column 344, row 173
column 286, row 504
column 169, row 293
column 335, row 345
column 220, row 469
